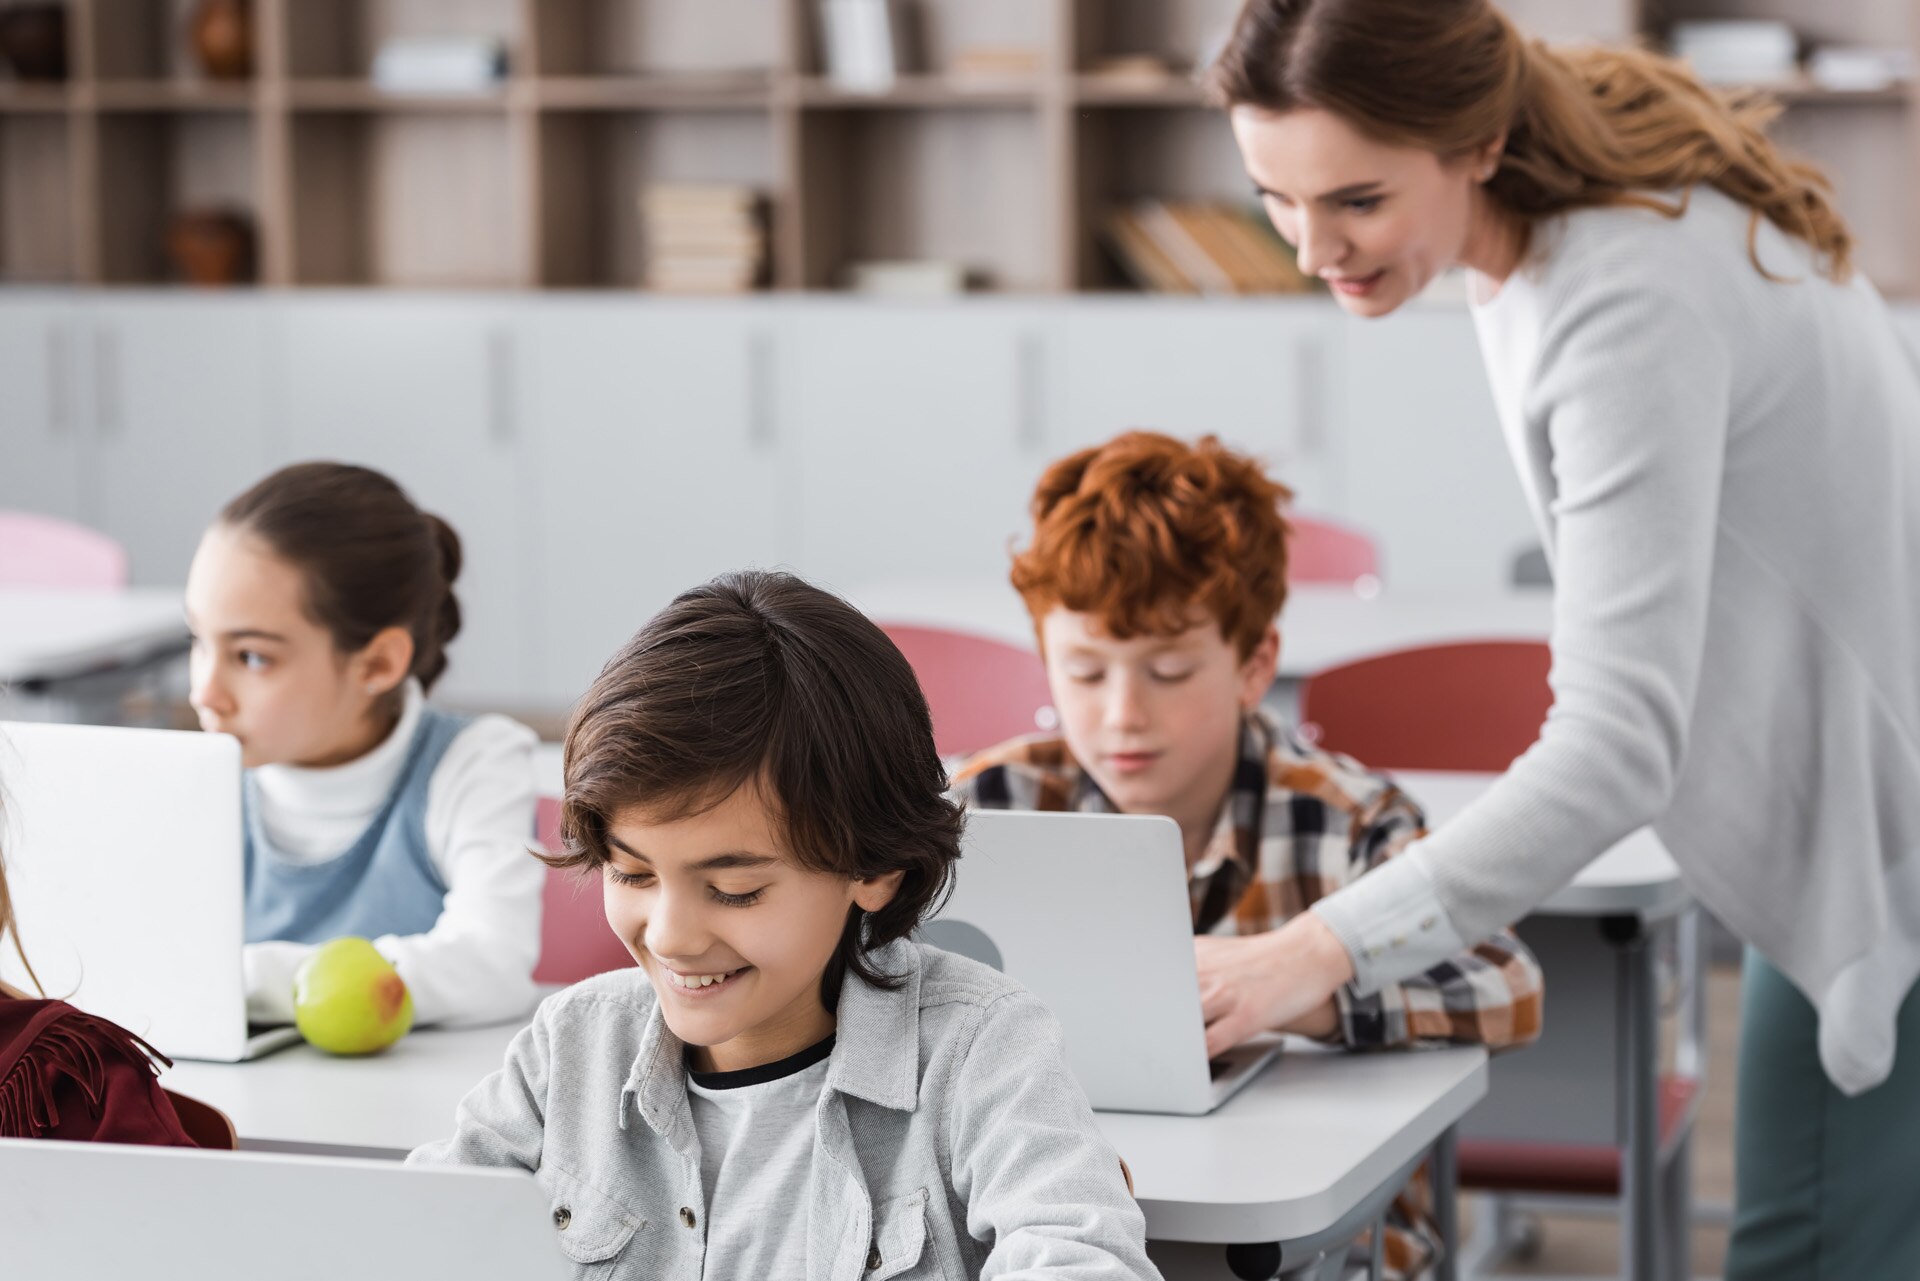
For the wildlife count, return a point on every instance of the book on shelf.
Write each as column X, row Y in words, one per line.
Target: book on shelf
column 704, row 238
column 1200, row 248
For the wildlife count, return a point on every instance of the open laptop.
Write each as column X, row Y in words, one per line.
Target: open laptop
column 1090, row 912
column 127, row 869
column 172, row 1214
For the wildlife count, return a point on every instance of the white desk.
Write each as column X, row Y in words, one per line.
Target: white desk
column 65, row 651
column 1320, row 1141
column 1633, row 894
column 1321, row 627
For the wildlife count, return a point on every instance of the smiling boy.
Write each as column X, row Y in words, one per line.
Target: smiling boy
column 787, row 1085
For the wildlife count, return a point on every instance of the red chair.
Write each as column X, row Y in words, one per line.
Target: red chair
column 1473, row 706
column 981, row 691
column 575, row 940
column 1322, row 551
column 44, row 551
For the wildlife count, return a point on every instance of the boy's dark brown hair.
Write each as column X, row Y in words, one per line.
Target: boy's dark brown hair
column 761, row 677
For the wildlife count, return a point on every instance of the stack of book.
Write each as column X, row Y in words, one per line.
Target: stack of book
column 1201, row 248
column 704, row 239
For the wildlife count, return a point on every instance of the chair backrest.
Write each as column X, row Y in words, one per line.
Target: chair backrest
column 204, row 1123
column 575, row 941
column 1471, row 706
column 1324, row 551
column 981, row 691
column 45, row 551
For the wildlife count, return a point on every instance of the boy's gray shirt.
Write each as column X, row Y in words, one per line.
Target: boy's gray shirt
column 951, row 1141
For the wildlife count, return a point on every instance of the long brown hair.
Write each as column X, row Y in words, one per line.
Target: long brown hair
column 9, row 934
column 1584, row 126
column 371, row 559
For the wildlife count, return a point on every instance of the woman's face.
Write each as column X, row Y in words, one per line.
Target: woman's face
column 1377, row 222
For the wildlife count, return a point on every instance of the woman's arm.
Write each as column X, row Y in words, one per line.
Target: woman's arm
column 1634, row 390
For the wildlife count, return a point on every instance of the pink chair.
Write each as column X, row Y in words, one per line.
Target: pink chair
column 575, row 941
column 981, row 691
column 45, row 551
column 1471, row 706
column 1321, row 551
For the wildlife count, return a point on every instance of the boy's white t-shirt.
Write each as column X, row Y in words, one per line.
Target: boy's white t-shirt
column 757, row 1133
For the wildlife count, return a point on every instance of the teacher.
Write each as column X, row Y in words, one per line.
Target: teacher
column 1718, row 430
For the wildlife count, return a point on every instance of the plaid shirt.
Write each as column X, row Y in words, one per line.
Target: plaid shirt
column 1296, row 825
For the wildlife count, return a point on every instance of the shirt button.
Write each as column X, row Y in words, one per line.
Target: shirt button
column 562, row 1217
column 686, row 1216
column 1429, row 923
column 873, row 1258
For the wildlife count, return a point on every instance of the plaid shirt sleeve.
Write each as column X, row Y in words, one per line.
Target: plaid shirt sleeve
column 1489, row 995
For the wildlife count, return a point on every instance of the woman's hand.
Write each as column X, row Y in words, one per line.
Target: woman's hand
column 1283, row 980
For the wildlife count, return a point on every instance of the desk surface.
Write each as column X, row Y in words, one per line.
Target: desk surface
column 1636, row 877
column 1285, row 1159
column 1321, row 627
column 47, row 634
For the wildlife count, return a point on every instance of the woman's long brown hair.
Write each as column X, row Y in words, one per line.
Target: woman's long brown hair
column 1584, row 126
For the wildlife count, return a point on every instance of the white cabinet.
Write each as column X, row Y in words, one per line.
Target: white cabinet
column 431, row 392
column 663, row 458
column 177, row 420
column 40, row 436
column 920, row 431
column 1263, row 376
column 1428, row 468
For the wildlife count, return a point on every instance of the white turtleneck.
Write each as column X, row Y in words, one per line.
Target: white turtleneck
column 476, row 964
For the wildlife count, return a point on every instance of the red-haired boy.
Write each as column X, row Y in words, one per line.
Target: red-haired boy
column 1155, row 576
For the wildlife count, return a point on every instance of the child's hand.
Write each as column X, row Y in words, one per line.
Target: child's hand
column 1281, row 980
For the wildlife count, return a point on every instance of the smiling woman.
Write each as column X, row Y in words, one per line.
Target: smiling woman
column 1713, row 418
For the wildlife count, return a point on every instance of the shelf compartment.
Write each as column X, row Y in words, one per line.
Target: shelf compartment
column 598, row 163
column 151, row 40
column 337, row 39
column 1180, row 34
column 883, row 185
column 36, row 201
column 413, row 200
column 644, row 38
column 155, row 164
column 941, row 32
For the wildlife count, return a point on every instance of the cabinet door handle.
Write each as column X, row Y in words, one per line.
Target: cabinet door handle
column 762, row 421
column 501, row 425
column 108, row 412
column 1030, row 426
column 59, row 388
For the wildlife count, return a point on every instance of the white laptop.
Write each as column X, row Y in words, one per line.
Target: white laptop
column 106, row 1211
column 127, row 869
column 1090, row 912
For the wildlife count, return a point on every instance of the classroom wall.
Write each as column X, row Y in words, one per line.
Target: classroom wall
column 599, row 453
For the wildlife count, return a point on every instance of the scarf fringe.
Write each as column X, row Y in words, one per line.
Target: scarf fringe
column 72, row 1048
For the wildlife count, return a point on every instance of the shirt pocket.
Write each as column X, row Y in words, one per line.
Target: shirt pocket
column 591, row 1227
column 900, row 1239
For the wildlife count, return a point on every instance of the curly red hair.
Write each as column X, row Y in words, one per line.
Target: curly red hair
column 1146, row 529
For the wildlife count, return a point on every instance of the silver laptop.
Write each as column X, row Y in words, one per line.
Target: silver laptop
column 87, row 1211
column 1090, row 912
column 126, row 864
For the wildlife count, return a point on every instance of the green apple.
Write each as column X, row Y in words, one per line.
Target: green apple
column 347, row 999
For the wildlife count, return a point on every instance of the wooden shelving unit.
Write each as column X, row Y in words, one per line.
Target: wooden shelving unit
column 536, row 183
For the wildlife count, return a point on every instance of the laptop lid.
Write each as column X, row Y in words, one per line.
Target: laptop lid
column 1090, row 913
column 102, row 1210
column 125, row 862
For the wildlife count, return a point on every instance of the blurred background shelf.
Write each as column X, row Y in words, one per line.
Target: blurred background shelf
column 999, row 155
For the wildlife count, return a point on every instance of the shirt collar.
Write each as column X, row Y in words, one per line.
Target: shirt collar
column 876, row 1050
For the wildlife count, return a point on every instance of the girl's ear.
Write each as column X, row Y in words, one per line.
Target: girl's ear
column 384, row 662
column 874, row 894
